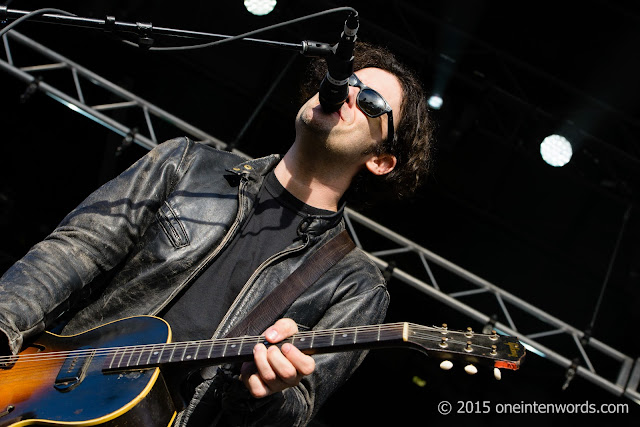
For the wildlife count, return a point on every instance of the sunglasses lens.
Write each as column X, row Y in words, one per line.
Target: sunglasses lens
column 371, row 103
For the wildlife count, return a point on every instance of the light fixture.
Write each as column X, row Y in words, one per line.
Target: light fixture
column 260, row 7
column 556, row 150
column 435, row 102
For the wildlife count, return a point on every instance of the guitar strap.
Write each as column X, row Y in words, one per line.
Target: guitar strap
column 271, row 307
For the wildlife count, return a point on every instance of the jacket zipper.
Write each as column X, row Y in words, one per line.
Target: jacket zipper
column 249, row 282
column 227, row 237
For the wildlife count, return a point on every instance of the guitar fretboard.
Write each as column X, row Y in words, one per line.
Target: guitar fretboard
column 240, row 348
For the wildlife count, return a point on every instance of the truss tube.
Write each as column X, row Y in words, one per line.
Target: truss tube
column 484, row 283
column 85, row 110
column 177, row 122
column 634, row 380
column 483, row 318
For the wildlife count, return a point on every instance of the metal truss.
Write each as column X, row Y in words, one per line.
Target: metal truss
column 389, row 260
column 119, row 98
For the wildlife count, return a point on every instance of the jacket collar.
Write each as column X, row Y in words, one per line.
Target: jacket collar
column 256, row 169
column 316, row 225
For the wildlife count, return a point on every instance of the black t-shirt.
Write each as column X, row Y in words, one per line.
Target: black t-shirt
column 271, row 227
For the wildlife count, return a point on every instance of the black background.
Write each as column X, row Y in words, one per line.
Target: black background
column 510, row 72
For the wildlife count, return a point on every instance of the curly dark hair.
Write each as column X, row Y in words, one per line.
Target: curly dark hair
column 412, row 143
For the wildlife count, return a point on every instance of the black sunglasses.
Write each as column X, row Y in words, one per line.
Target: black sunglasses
column 372, row 104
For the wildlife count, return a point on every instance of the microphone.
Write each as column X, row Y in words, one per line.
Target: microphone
column 334, row 88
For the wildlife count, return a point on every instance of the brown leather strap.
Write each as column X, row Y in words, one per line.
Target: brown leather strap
column 271, row 307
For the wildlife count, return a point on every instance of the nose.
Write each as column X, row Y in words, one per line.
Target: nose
column 353, row 94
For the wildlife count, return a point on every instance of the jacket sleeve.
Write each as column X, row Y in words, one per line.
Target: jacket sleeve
column 354, row 304
column 90, row 240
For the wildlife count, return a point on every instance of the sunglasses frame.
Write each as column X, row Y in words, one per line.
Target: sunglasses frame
column 355, row 82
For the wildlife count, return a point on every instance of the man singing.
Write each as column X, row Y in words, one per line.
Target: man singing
column 199, row 236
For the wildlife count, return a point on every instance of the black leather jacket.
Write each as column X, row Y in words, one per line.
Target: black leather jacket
column 133, row 244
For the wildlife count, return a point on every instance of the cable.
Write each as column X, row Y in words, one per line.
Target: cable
column 189, row 47
column 249, row 33
column 31, row 15
column 625, row 220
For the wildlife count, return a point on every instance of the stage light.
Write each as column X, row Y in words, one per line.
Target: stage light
column 435, row 102
column 556, row 150
column 260, row 7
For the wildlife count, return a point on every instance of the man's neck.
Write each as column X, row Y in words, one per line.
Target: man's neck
column 312, row 183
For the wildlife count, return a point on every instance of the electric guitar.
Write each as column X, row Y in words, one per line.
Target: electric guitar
column 111, row 374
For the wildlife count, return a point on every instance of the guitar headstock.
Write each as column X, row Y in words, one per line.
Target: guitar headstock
column 499, row 351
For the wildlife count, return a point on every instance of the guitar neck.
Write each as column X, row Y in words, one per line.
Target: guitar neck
column 226, row 350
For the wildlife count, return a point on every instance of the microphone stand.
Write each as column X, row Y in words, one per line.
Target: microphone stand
column 145, row 31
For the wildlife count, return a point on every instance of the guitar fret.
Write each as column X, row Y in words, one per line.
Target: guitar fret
column 247, row 344
column 121, row 357
column 234, row 345
column 184, row 351
column 224, row 350
column 319, row 340
column 217, row 349
column 189, row 351
column 117, row 358
column 113, row 357
column 303, row 340
column 153, row 351
column 211, row 344
column 173, row 350
column 131, row 351
column 195, row 356
column 140, row 356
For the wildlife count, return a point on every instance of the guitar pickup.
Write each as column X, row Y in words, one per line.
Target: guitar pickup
column 73, row 370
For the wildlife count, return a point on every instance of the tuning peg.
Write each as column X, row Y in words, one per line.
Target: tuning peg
column 471, row 370
column 446, row 365
column 468, row 348
column 497, row 374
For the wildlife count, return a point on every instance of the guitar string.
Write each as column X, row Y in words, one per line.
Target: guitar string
column 49, row 365
column 140, row 349
column 228, row 342
column 222, row 341
column 44, row 363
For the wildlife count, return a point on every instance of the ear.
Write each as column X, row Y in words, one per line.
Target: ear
column 381, row 164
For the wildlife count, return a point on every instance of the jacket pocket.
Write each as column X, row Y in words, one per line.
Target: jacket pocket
column 172, row 226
